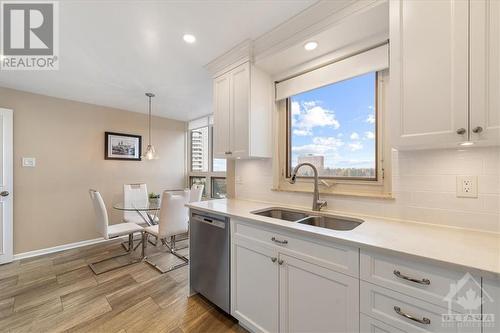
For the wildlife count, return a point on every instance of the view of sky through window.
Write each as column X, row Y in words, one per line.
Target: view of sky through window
column 333, row 127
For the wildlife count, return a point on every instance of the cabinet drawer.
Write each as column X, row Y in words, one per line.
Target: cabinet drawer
column 340, row 258
column 370, row 325
column 394, row 309
column 428, row 282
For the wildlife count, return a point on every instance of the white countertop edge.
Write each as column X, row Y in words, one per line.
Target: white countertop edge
column 489, row 270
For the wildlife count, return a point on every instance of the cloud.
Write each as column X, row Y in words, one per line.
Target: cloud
column 354, row 136
column 320, row 146
column 355, row 146
column 299, row 132
column 370, row 119
column 309, row 115
column 369, row 135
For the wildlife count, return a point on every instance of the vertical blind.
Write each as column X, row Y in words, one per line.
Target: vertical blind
column 375, row 59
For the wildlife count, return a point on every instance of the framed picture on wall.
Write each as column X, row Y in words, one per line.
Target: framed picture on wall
column 125, row 147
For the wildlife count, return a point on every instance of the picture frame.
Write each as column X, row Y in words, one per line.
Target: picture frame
column 122, row 147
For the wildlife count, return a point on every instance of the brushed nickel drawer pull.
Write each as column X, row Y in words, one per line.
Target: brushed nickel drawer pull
column 282, row 242
column 401, row 276
column 424, row 320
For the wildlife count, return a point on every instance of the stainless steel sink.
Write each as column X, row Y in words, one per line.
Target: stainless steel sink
column 331, row 222
column 282, row 214
column 314, row 219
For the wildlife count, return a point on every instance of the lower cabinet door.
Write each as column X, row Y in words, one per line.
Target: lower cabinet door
column 316, row 299
column 370, row 325
column 255, row 286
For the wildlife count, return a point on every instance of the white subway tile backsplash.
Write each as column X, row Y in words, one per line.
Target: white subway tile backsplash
column 424, row 187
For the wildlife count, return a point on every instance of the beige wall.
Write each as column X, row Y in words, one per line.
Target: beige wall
column 51, row 202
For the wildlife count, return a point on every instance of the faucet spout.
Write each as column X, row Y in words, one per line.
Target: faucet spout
column 317, row 204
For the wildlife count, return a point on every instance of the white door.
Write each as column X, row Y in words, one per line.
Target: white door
column 316, row 299
column 240, row 107
column 6, row 186
column 222, row 120
column 485, row 71
column 429, row 72
column 255, row 285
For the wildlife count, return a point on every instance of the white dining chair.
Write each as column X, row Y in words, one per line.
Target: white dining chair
column 108, row 231
column 134, row 195
column 196, row 192
column 173, row 221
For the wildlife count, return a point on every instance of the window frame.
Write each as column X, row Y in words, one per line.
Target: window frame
column 288, row 166
column 204, row 174
column 362, row 187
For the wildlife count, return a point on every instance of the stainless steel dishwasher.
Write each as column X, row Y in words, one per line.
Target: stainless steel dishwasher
column 209, row 260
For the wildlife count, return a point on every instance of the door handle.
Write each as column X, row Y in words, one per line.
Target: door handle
column 4, row 193
column 477, row 130
column 461, row 131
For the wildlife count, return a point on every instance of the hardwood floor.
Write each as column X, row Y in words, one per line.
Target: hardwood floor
column 58, row 292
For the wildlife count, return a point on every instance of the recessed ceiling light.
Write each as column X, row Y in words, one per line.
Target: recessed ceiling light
column 190, row 39
column 467, row 143
column 309, row 46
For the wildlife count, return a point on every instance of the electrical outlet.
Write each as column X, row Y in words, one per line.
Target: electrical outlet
column 29, row 162
column 466, row 187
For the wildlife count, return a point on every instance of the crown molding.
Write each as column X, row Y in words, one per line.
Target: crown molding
column 311, row 21
column 240, row 53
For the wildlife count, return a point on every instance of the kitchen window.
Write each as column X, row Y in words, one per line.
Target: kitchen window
column 333, row 117
column 203, row 167
column 334, row 128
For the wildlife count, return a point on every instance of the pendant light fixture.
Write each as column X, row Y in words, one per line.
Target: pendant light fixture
column 150, row 153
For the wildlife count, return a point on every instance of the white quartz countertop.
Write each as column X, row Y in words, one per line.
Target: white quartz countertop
column 467, row 248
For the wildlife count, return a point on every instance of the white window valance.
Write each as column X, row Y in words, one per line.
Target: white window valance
column 375, row 59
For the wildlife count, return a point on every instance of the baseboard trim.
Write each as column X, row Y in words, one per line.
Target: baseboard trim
column 59, row 248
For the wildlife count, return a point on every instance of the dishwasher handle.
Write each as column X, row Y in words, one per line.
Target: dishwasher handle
column 209, row 221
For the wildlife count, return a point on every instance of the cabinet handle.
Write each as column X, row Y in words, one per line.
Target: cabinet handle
column 424, row 320
column 401, row 276
column 227, row 153
column 282, row 242
column 477, row 129
column 461, row 131
column 280, row 262
column 273, row 259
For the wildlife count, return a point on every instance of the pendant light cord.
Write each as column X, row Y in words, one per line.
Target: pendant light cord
column 150, row 120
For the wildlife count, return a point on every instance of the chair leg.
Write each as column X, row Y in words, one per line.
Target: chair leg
column 172, row 251
column 128, row 253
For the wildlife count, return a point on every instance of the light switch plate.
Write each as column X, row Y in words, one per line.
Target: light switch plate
column 29, row 162
column 466, row 186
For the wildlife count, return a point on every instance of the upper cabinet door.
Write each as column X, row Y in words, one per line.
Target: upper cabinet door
column 429, row 72
column 240, row 108
column 222, row 118
column 485, row 71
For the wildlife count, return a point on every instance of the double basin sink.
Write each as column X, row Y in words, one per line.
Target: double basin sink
column 316, row 219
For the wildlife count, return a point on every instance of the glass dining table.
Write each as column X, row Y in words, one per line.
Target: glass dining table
column 148, row 211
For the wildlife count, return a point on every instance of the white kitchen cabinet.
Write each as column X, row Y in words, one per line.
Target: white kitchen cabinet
column 254, row 285
column 316, row 299
column 491, row 305
column 242, row 113
column 485, row 71
column 444, row 73
column 281, row 288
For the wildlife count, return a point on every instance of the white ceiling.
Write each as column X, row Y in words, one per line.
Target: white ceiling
column 112, row 52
